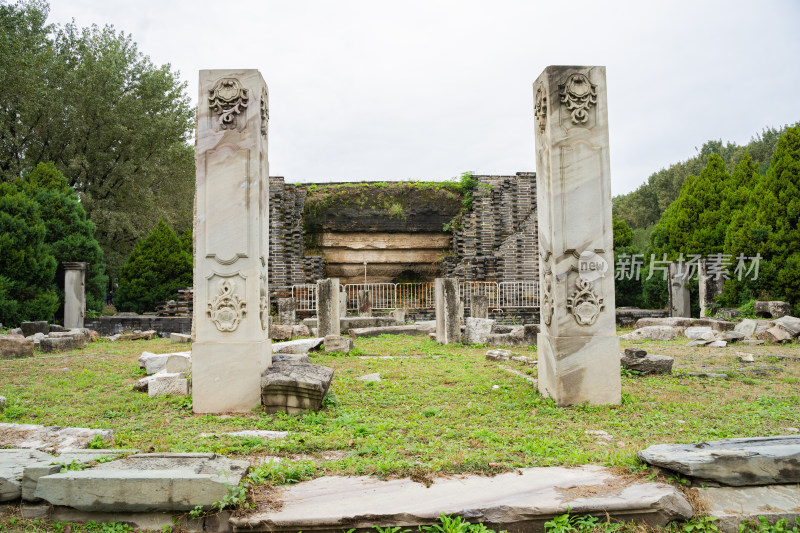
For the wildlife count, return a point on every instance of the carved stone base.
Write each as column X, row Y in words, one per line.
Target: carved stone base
column 226, row 376
column 575, row 370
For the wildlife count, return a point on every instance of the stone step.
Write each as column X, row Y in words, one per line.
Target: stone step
column 521, row 500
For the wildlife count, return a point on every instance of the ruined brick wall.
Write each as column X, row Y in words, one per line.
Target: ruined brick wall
column 497, row 239
column 287, row 264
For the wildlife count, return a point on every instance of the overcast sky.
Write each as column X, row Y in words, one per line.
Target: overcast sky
column 396, row 90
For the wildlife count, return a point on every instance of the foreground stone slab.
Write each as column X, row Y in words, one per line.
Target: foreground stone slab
column 512, row 501
column 180, row 337
column 477, row 330
column 410, row 329
column 169, row 362
column 737, row 462
column 168, row 384
column 49, row 438
column 299, row 346
column 646, row 363
column 337, row 343
column 652, row 333
column 12, row 465
column 145, row 482
column 141, row 336
column 29, row 328
column 774, row 309
column 294, row 387
column 13, row 346
column 734, row 505
column 790, row 324
column 519, row 336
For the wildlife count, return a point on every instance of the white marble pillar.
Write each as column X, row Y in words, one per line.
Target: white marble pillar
column 231, row 241
column 74, row 294
column 579, row 351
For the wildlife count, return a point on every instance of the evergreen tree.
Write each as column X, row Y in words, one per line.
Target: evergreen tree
column 69, row 235
column 768, row 225
column 26, row 266
column 157, row 267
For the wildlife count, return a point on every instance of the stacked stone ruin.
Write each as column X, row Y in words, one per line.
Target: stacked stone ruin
column 287, row 264
column 497, row 240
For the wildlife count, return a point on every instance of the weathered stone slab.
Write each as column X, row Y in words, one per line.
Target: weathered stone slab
column 517, row 501
column 653, row 333
column 737, row 462
column 297, row 346
column 734, row 505
column 479, row 306
column 170, row 362
column 477, row 330
column 143, row 335
column 287, row 311
column 790, row 324
column 648, row 363
column 31, row 474
column 168, row 384
column 410, row 329
column 775, row 335
column 747, row 327
column 356, row 322
column 294, row 387
column 259, row 433
column 145, row 482
column 498, row 355
column 672, row 321
column 375, row 376
column 328, row 311
column 49, row 438
column 180, row 337
column 300, row 330
column 519, row 336
column 281, row 332
column 730, row 336
column 39, row 326
column 337, row 343
column 298, row 357
column 12, row 465
column 13, row 346
column 697, row 332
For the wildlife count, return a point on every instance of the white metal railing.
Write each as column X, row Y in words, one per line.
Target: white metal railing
column 305, row 296
column 508, row 294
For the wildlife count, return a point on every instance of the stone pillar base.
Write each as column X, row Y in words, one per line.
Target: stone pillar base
column 575, row 370
column 226, row 376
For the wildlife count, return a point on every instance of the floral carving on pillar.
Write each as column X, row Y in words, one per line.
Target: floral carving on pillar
column 226, row 309
column 579, row 95
column 228, row 99
column 264, row 111
column 584, row 304
column 540, row 107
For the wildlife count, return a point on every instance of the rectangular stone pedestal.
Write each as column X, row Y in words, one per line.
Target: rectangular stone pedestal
column 448, row 323
column 74, row 294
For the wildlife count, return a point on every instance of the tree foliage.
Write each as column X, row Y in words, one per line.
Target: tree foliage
column 113, row 123
column 26, row 267
column 158, row 266
column 69, row 235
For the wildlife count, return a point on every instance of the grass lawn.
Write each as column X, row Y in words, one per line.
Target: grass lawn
column 437, row 409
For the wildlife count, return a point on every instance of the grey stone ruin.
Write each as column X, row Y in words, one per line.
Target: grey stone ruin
column 679, row 298
column 448, row 307
column 579, row 352
column 328, row 305
column 479, row 306
column 287, row 311
column 364, row 303
column 74, row 294
column 711, row 287
column 342, row 302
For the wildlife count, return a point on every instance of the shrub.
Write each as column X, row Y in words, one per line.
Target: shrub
column 158, row 266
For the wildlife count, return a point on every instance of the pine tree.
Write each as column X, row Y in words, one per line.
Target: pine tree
column 158, row 266
column 26, row 266
column 69, row 235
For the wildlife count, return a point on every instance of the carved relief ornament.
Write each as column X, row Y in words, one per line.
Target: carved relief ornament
column 228, row 99
column 547, row 305
column 226, row 309
column 264, row 111
column 579, row 95
column 263, row 306
column 540, row 107
column 584, row 303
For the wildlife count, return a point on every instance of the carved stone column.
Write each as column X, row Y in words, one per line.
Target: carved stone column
column 74, row 294
column 231, row 307
column 448, row 323
column 578, row 347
